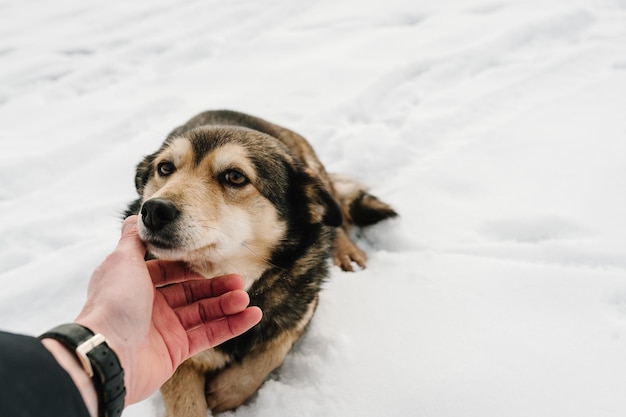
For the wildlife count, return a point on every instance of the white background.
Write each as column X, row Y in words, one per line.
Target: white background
column 497, row 129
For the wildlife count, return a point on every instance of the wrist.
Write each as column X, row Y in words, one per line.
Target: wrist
column 69, row 362
column 99, row 364
column 117, row 344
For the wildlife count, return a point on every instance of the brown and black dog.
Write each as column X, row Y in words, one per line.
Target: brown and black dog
column 231, row 193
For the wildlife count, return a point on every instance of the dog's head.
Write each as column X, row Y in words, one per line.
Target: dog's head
column 228, row 199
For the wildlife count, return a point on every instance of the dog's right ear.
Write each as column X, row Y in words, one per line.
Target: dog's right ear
column 322, row 206
column 332, row 213
column 144, row 171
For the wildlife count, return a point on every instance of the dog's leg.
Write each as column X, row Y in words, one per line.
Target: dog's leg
column 358, row 208
column 183, row 393
column 347, row 252
column 233, row 385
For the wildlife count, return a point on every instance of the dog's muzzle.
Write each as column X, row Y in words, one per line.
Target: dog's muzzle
column 157, row 213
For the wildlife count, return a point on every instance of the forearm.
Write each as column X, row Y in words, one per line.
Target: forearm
column 68, row 361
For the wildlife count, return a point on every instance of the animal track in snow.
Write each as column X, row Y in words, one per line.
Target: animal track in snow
column 531, row 229
column 617, row 306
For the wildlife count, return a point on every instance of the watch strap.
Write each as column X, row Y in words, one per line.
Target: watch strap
column 99, row 361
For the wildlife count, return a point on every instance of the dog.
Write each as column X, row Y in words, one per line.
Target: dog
column 227, row 193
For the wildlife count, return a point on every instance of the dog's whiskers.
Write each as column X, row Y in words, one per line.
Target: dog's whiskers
column 243, row 244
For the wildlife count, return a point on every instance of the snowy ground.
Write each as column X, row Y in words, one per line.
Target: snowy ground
column 496, row 128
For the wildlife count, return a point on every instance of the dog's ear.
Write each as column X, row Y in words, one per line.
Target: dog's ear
column 322, row 206
column 144, row 171
column 332, row 214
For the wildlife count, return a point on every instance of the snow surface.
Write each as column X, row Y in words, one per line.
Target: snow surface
column 496, row 128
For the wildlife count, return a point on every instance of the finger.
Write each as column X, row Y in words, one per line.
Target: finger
column 178, row 295
column 129, row 222
column 212, row 309
column 217, row 332
column 169, row 272
column 130, row 241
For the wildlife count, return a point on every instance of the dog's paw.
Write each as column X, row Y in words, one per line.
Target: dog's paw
column 346, row 253
column 227, row 390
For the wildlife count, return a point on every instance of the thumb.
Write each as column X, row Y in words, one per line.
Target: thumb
column 130, row 241
column 129, row 223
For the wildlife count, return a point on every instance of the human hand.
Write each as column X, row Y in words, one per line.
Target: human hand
column 157, row 314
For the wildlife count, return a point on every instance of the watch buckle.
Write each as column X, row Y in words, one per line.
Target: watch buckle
column 87, row 346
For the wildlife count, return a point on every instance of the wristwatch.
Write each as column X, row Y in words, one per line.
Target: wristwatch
column 100, row 363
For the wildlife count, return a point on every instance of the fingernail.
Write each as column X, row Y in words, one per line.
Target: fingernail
column 129, row 223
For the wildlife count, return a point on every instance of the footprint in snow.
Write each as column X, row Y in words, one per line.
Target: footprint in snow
column 531, row 229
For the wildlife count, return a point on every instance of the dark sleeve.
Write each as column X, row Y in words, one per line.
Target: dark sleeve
column 32, row 383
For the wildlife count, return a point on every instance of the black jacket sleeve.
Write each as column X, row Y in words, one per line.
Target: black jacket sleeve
column 32, row 383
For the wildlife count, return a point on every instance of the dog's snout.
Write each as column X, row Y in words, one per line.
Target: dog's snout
column 157, row 212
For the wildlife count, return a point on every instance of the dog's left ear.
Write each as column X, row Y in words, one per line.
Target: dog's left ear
column 144, row 170
column 322, row 206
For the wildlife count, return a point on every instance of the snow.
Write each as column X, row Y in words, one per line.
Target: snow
column 495, row 128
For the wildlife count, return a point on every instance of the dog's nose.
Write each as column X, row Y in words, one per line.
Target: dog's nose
column 157, row 212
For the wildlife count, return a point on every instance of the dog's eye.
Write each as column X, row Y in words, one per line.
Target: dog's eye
column 234, row 178
column 166, row 168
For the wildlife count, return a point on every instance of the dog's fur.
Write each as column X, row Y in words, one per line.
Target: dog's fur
column 232, row 193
